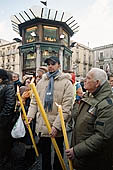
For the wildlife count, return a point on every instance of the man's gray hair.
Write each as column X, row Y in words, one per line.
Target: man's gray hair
column 99, row 74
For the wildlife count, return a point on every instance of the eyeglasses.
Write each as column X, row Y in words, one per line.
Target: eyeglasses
column 51, row 64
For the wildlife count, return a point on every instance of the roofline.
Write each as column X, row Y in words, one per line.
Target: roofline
column 103, row 47
column 10, row 43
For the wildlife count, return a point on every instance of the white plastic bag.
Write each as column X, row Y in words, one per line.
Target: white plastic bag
column 18, row 130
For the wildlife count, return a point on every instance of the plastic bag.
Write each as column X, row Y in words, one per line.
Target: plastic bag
column 18, row 130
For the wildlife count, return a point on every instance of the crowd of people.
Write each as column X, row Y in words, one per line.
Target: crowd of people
column 87, row 108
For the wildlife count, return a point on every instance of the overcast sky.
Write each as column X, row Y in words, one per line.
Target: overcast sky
column 95, row 18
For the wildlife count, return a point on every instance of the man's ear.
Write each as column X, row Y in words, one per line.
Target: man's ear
column 97, row 83
column 59, row 66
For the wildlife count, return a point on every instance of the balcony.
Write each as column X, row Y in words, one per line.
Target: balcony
column 3, row 54
column 14, row 51
column 101, row 58
column 77, row 60
column 85, row 62
column 7, row 64
column 2, row 65
column 90, row 64
column 8, row 53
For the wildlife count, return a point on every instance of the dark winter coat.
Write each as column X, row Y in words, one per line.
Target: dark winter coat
column 7, row 105
column 93, row 132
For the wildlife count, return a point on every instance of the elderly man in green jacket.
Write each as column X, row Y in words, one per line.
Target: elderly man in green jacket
column 92, row 139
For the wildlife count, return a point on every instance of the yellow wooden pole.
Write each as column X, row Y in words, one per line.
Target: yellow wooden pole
column 47, row 124
column 25, row 116
column 64, row 133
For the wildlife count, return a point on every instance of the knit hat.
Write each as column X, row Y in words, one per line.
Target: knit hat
column 43, row 69
column 3, row 74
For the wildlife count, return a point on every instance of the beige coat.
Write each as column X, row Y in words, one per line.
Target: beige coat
column 63, row 95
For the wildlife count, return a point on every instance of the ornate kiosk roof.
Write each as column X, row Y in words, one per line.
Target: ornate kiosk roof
column 46, row 15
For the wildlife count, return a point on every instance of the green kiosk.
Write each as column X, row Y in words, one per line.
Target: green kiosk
column 45, row 32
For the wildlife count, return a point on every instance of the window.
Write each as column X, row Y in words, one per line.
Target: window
column 65, row 40
column 3, row 52
column 77, row 57
column 50, row 33
column 14, row 49
column 0, row 53
column 112, row 54
column 13, row 58
column 31, row 34
column 30, row 56
column 66, row 62
column 8, row 51
column 3, row 60
column 8, row 60
column 101, row 56
column 13, row 67
column 30, row 60
column 101, row 67
column 48, row 51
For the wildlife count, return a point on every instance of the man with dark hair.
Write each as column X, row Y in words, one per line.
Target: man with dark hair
column 53, row 87
column 15, row 78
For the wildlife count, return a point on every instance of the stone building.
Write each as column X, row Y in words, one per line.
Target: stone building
column 9, row 56
column 103, row 57
column 82, row 59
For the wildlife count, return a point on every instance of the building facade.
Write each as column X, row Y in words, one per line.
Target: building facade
column 9, row 57
column 103, row 57
column 82, row 59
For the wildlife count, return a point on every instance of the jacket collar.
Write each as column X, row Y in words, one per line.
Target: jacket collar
column 59, row 76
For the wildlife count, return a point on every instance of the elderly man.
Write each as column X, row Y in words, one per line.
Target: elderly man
column 53, row 87
column 93, row 133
